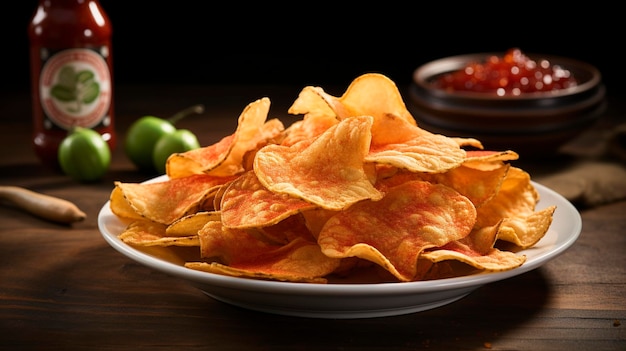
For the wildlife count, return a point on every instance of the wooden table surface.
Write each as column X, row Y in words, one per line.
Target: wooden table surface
column 64, row 287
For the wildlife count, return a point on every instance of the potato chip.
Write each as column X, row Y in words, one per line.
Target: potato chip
column 387, row 179
column 269, row 133
column 526, row 231
column 463, row 142
column 516, row 198
column 247, row 203
column 225, row 157
column 166, row 201
column 478, row 185
column 147, row 233
column 314, row 103
column 306, row 129
column 192, row 223
column 392, row 232
column 240, row 254
column 287, row 230
column 121, row 207
column 316, row 218
column 488, row 159
column 493, row 261
column 478, row 251
column 198, row 161
column 427, row 153
column 217, row 197
column 373, row 94
column 328, row 172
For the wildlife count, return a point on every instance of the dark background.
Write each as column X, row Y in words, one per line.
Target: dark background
column 317, row 43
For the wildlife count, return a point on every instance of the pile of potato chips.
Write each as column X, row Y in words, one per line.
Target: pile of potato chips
column 355, row 187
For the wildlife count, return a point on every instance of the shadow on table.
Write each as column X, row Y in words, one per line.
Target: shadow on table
column 481, row 317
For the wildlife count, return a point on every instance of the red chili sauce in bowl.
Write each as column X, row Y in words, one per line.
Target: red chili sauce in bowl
column 512, row 74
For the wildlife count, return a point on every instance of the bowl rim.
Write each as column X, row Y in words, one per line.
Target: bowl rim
column 497, row 112
column 423, row 73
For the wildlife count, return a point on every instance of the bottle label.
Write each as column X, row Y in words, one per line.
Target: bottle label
column 75, row 88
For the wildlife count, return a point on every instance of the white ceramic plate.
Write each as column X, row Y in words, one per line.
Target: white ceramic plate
column 351, row 300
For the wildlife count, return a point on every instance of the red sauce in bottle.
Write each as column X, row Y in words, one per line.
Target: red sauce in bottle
column 512, row 74
column 71, row 73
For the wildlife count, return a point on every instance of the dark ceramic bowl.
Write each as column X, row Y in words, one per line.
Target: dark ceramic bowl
column 533, row 124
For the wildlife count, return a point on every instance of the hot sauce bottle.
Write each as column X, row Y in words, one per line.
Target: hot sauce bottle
column 71, row 73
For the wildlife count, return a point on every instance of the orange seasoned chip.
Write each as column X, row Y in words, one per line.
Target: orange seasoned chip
column 225, row 158
column 287, row 230
column 491, row 155
column 514, row 205
column 494, row 261
column 478, row 185
column 247, row 203
column 315, row 103
column 192, row 223
column 430, row 153
column 526, row 230
column 197, row 161
column 478, row 251
column 141, row 231
column 388, row 178
column 488, row 159
column 271, row 132
column 374, row 94
column 316, row 106
column 517, row 197
column 463, row 142
column 244, row 255
column 166, row 201
column 307, row 128
column 392, row 232
column 327, row 172
column 147, row 233
column 391, row 129
column 316, row 218
column 121, row 207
